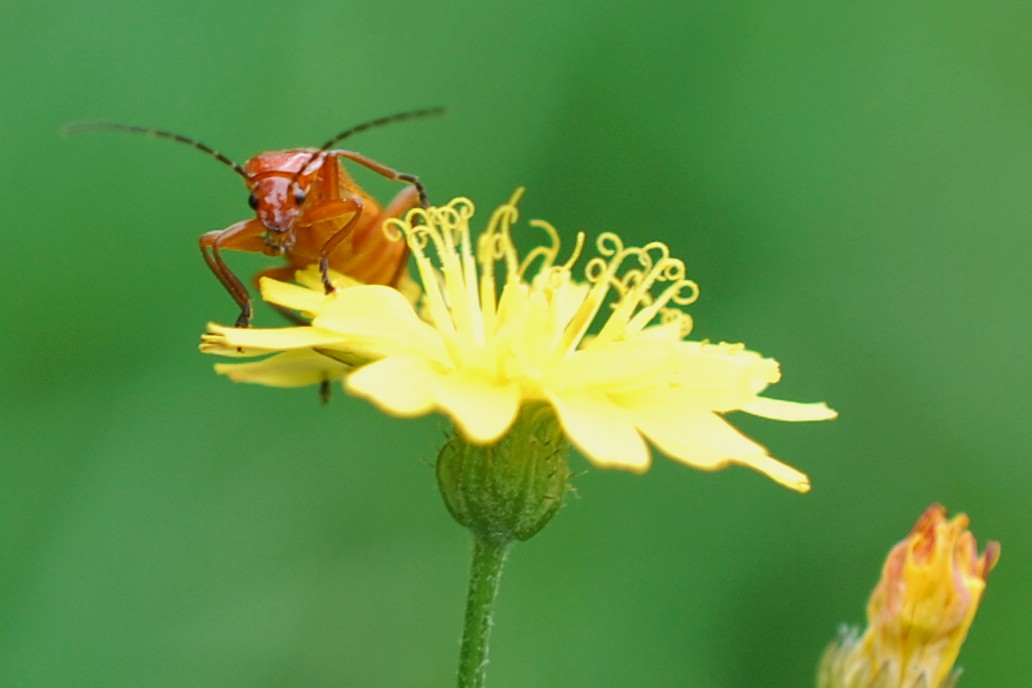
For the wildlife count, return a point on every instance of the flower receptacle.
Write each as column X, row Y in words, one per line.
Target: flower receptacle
column 510, row 489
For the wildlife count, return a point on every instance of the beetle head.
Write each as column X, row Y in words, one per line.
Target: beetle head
column 279, row 186
column 277, row 202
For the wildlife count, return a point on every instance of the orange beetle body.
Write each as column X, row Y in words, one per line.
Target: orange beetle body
column 309, row 210
column 365, row 253
column 336, row 224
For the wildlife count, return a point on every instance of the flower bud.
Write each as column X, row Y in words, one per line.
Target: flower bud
column 919, row 613
column 508, row 490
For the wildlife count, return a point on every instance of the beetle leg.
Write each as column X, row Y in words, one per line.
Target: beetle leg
column 388, row 172
column 242, row 236
column 328, row 211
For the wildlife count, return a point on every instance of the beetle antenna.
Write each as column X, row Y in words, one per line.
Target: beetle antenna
column 391, row 119
column 160, row 133
column 365, row 126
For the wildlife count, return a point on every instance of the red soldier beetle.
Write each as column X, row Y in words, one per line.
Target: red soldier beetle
column 309, row 210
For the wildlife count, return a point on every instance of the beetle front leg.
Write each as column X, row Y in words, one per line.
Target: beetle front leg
column 328, row 211
column 243, row 236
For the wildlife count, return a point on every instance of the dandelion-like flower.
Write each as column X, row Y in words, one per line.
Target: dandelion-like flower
column 497, row 332
column 919, row 613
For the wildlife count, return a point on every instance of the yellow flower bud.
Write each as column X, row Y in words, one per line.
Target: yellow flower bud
column 920, row 611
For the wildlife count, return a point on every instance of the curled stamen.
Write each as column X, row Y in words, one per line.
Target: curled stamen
column 418, row 216
column 609, row 244
column 685, row 299
column 604, row 267
column 440, row 226
column 464, row 207
column 545, row 252
column 653, row 270
column 636, row 303
column 419, row 237
column 595, row 270
column 673, row 270
column 498, row 228
column 449, row 229
column 659, row 247
column 628, row 282
column 556, row 277
column 652, row 305
column 490, row 248
column 578, row 247
column 505, row 215
column 644, row 255
column 684, row 322
column 453, row 219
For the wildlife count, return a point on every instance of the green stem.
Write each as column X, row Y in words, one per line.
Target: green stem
column 484, row 576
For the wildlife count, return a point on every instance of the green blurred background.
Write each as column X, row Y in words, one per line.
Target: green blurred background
column 850, row 184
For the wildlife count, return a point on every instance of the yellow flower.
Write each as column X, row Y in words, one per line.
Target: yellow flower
column 606, row 352
column 920, row 611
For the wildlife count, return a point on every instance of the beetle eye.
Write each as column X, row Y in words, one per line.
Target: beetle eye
column 252, row 201
column 299, row 196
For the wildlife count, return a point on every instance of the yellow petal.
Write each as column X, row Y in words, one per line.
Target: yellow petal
column 781, row 473
column 703, row 440
column 722, row 377
column 530, row 336
column 481, row 409
column 381, row 319
column 693, row 436
column 615, row 367
column 601, row 431
column 292, row 296
column 400, row 385
column 717, row 436
column 216, row 344
column 512, row 304
column 276, row 339
column 311, row 277
column 749, row 363
column 289, row 369
column 352, row 357
column 777, row 409
column 669, row 331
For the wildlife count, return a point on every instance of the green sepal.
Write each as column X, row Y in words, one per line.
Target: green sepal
column 508, row 490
